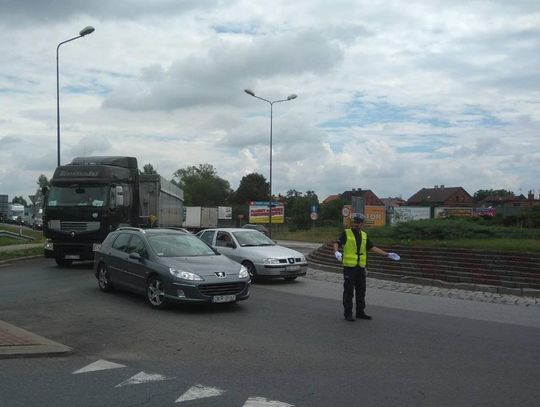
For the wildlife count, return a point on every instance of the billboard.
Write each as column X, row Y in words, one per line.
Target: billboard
column 409, row 213
column 442, row 212
column 375, row 216
column 487, row 212
column 258, row 212
column 224, row 212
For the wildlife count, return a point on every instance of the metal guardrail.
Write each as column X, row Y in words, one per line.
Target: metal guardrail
column 5, row 233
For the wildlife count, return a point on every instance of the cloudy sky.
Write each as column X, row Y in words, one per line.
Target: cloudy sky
column 393, row 96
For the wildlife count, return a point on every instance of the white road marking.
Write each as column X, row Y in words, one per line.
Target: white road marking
column 143, row 377
column 262, row 402
column 198, row 392
column 99, row 365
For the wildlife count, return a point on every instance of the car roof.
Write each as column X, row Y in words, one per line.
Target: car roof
column 229, row 230
column 153, row 231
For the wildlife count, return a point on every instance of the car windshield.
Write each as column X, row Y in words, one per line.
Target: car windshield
column 252, row 238
column 76, row 195
column 179, row 245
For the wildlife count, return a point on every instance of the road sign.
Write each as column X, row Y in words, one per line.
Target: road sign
column 313, row 215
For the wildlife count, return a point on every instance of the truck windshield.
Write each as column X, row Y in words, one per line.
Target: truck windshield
column 77, row 195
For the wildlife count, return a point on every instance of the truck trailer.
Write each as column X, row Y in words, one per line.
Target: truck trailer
column 93, row 196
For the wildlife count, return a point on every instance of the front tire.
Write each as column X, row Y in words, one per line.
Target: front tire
column 251, row 270
column 155, row 293
column 291, row 278
column 104, row 283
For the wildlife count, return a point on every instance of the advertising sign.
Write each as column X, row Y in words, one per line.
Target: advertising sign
column 442, row 212
column 409, row 213
column 224, row 212
column 375, row 216
column 258, row 212
column 489, row 212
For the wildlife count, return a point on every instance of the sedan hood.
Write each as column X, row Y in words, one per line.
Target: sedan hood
column 278, row 252
column 202, row 265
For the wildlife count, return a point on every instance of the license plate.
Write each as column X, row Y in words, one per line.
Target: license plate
column 223, row 298
column 293, row 268
column 72, row 257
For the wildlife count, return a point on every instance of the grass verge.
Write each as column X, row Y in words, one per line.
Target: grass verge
column 10, row 255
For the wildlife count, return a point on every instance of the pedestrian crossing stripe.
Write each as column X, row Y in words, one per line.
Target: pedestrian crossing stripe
column 262, row 402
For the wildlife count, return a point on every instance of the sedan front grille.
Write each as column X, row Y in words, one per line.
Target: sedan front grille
column 222, row 288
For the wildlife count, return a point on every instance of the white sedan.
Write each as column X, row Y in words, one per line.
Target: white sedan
column 258, row 253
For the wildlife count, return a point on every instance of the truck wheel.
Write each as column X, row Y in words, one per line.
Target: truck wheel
column 104, row 283
column 63, row 262
column 155, row 293
column 251, row 270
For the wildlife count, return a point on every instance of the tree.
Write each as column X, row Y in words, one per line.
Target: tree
column 298, row 207
column 19, row 200
column 331, row 211
column 148, row 169
column 202, row 186
column 43, row 181
column 253, row 187
column 482, row 194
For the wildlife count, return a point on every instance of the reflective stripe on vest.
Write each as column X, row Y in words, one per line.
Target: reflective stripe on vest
column 351, row 255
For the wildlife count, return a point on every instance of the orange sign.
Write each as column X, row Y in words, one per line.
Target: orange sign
column 375, row 216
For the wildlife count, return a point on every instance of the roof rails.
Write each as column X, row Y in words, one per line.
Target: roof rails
column 131, row 228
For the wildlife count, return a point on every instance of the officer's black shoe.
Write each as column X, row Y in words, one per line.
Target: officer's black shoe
column 363, row 315
column 349, row 318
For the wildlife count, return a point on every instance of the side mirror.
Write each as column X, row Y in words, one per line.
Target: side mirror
column 135, row 256
column 119, row 195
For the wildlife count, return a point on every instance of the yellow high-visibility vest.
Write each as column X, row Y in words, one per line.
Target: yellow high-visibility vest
column 352, row 255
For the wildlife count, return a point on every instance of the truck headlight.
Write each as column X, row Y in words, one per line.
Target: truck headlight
column 243, row 272
column 185, row 275
column 49, row 246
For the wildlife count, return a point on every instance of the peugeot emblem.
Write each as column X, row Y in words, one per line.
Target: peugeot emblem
column 221, row 274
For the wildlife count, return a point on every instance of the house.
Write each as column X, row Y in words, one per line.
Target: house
column 441, row 196
column 393, row 202
column 330, row 198
column 370, row 199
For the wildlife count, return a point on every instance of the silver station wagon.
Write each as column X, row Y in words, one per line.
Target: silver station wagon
column 258, row 253
column 168, row 266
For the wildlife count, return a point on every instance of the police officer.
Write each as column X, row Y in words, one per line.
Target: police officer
column 355, row 243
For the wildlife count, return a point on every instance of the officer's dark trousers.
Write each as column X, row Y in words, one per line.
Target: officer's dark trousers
column 354, row 280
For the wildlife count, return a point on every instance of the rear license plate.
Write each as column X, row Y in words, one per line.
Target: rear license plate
column 223, row 298
column 72, row 257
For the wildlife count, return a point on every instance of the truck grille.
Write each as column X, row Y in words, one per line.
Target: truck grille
column 222, row 289
column 79, row 226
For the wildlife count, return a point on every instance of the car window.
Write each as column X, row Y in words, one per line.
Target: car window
column 121, row 242
column 223, row 239
column 252, row 238
column 136, row 245
column 208, row 236
column 179, row 245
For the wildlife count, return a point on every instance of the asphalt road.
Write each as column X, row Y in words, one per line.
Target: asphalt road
column 286, row 345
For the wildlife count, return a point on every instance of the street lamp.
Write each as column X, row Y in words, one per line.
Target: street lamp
column 271, row 103
column 82, row 33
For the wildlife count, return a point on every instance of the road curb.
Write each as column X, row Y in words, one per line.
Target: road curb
column 14, row 259
column 19, row 343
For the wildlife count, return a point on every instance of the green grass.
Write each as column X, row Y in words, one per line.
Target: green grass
column 36, row 251
column 36, row 234
column 387, row 236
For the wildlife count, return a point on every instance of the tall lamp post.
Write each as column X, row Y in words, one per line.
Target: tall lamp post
column 82, row 33
column 271, row 103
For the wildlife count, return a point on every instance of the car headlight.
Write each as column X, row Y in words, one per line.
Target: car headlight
column 303, row 259
column 243, row 272
column 185, row 275
column 271, row 260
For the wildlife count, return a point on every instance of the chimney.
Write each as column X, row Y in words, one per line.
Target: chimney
column 530, row 196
